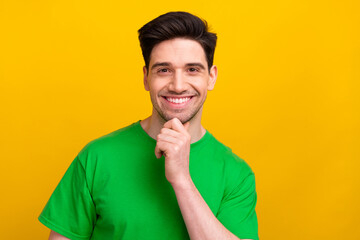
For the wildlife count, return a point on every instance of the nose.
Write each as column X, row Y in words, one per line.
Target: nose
column 178, row 83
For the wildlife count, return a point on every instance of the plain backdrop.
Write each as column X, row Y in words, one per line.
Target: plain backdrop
column 286, row 100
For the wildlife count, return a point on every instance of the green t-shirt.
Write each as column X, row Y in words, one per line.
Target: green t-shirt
column 116, row 189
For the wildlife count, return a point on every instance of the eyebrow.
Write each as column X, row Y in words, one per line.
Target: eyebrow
column 195, row 65
column 166, row 64
column 160, row 64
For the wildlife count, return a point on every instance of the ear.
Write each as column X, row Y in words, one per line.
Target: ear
column 146, row 83
column 212, row 78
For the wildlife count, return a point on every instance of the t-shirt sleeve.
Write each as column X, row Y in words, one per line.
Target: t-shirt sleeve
column 237, row 210
column 70, row 210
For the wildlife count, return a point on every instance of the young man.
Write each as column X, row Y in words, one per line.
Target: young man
column 165, row 177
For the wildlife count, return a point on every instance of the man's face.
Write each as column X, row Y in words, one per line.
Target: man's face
column 178, row 79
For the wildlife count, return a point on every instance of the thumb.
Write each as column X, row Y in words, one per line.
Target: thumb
column 187, row 125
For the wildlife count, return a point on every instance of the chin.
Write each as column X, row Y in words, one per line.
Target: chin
column 185, row 120
column 182, row 117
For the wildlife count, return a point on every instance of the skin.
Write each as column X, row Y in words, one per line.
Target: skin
column 175, row 129
column 177, row 78
column 57, row 236
column 178, row 68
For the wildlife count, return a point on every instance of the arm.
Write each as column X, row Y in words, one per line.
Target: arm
column 174, row 143
column 56, row 236
column 199, row 219
column 70, row 198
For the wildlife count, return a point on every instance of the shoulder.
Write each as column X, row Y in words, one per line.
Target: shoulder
column 232, row 160
column 110, row 142
column 235, row 167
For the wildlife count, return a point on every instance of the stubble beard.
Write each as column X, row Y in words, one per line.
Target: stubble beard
column 184, row 118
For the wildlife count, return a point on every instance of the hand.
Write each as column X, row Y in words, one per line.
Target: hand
column 173, row 142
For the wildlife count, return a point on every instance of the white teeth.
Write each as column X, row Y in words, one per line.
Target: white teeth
column 178, row 100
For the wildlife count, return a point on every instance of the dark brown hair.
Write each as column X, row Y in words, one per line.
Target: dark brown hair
column 177, row 25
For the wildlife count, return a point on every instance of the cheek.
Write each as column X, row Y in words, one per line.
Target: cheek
column 156, row 90
column 157, row 84
column 202, row 87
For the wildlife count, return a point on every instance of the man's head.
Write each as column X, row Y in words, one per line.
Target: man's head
column 176, row 25
column 178, row 52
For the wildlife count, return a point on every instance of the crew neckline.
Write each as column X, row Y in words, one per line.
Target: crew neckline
column 193, row 146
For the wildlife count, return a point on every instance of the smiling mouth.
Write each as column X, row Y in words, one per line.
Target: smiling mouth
column 178, row 100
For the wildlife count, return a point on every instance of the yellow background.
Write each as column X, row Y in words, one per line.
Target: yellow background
column 286, row 100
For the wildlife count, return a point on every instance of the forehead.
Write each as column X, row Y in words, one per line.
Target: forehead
column 178, row 51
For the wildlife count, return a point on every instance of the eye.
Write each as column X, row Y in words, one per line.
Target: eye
column 193, row 70
column 163, row 70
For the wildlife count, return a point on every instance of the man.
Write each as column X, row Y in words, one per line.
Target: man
column 165, row 177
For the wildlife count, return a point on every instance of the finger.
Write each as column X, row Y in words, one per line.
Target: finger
column 162, row 148
column 176, row 125
column 158, row 152
column 167, row 138
column 168, row 124
column 187, row 125
column 170, row 132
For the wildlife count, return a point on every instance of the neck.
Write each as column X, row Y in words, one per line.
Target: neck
column 153, row 124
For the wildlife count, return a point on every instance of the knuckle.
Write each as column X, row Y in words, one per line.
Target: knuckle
column 176, row 121
column 183, row 138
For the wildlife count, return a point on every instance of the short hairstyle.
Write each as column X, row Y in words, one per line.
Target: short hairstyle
column 176, row 25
